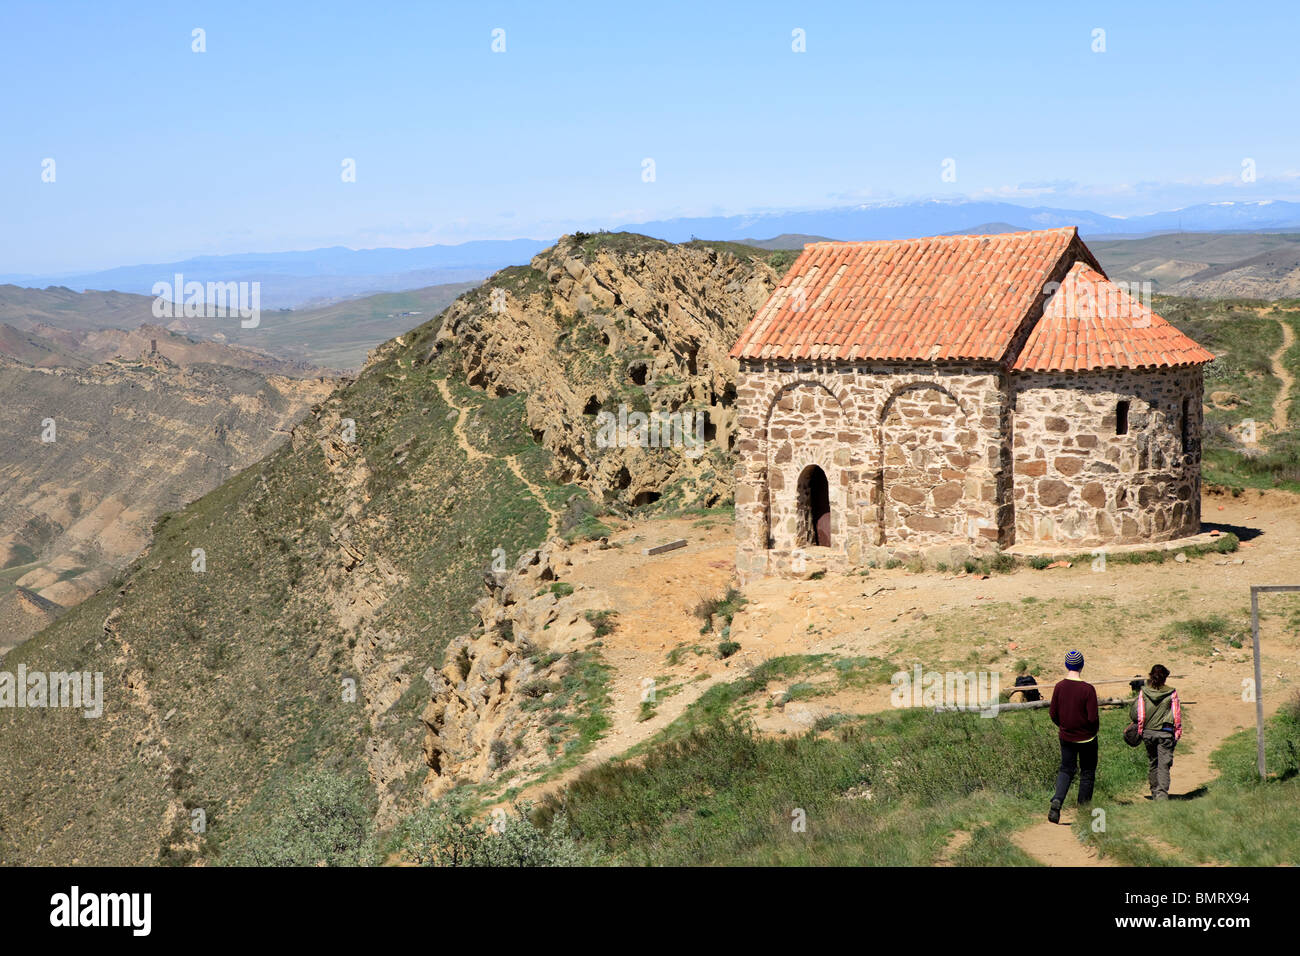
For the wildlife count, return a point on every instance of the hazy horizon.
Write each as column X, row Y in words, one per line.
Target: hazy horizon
column 458, row 132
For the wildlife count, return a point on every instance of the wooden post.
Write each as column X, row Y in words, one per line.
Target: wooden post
column 661, row 548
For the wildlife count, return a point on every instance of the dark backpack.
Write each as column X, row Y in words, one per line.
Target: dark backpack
column 1132, row 736
column 1025, row 680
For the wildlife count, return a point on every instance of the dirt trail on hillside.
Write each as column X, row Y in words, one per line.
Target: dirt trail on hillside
column 655, row 597
column 1282, row 403
column 512, row 461
column 458, row 429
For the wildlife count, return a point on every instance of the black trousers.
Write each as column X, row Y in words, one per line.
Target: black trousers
column 1084, row 758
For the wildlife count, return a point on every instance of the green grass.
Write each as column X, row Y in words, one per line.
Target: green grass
column 718, row 612
column 1238, row 820
column 1244, row 341
column 1200, row 635
column 889, row 789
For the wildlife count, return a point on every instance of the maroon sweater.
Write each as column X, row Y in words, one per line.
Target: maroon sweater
column 1074, row 710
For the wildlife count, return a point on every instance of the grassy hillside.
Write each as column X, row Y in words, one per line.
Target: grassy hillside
column 1243, row 385
column 221, row 685
column 1207, row 264
column 65, row 309
column 328, row 561
column 898, row 789
column 335, row 336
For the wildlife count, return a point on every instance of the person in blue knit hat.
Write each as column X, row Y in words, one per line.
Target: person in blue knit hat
column 1074, row 711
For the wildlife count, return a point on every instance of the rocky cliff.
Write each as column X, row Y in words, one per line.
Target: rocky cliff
column 599, row 328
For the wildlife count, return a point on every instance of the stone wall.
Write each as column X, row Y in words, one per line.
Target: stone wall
column 939, row 489
column 944, row 460
column 1079, row 483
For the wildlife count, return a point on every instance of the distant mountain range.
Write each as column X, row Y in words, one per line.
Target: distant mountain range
column 335, row 336
column 314, row 277
column 319, row 277
column 1208, row 265
column 939, row 217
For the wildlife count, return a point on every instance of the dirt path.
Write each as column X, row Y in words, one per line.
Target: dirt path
column 459, row 428
column 1282, row 403
column 655, row 597
column 1055, row 844
column 512, row 461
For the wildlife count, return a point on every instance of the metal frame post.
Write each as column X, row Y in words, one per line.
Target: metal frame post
column 1255, row 591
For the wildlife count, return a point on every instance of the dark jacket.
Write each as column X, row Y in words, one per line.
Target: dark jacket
column 1074, row 710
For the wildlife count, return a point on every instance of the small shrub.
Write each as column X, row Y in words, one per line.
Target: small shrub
column 1198, row 634
column 501, row 753
column 1003, row 563
column 603, row 621
column 537, row 688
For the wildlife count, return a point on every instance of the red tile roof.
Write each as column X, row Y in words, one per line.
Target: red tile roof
column 960, row 297
column 942, row 297
column 1091, row 323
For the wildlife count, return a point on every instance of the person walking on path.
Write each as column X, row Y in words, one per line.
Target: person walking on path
column 1074, row 711
column 1158, row 713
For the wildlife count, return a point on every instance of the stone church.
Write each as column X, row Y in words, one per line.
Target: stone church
column 955, row 395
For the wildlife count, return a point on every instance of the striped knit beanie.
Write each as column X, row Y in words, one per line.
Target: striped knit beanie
column 1074, row 661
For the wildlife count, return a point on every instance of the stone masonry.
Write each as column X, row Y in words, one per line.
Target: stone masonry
column 942, row 459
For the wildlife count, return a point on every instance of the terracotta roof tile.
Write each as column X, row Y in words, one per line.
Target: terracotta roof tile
column 1092, row 323
column 941, row 297
column 960, row 297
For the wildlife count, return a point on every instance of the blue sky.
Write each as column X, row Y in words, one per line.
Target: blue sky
column 162, row 153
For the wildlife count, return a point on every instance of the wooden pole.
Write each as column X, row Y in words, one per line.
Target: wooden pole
column 1109, row 680
column 1025, row 705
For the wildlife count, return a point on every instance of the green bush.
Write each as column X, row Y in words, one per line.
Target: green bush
column 326, row 823
column 447, row 834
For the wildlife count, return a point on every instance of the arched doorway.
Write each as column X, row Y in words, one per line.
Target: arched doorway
column 814, row 508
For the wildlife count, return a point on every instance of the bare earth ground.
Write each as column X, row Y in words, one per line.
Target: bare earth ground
column 940, row 620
